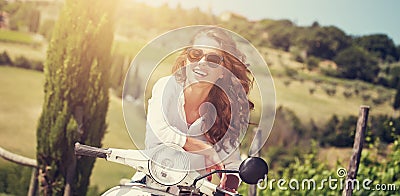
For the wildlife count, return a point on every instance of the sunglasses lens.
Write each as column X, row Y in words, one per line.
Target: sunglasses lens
column 214, row 60
column 195, row 55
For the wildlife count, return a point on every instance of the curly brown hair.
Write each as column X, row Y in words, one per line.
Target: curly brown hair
column 233, row 98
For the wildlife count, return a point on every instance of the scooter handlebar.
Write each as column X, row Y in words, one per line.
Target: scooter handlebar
column 91, row 151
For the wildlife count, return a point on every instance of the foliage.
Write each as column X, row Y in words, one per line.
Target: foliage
column 76, row 93
column 379, row 45
column 312, row 63
column 356, row 63
column 23, row 62
column 381, row 171
column 23, row 16
column 299, row 177
column 14, row 179
column 329, row 89
column 338, row 132
column 46, row 28
column 384, row 128
column 5, row 59
column 281, row 33
column 323, row 42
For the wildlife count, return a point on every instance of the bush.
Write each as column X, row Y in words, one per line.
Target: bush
column 365, row 96
column 385, row 128
column 14, row 179
column 311, row 90
column 329, row 89
column 347, row 93
column 25, row 63
column 378, row 100
column 287, row 82
column 22, row 62
column 312, row 63
column 5, row 59
column 357, row 63
column 291, row 72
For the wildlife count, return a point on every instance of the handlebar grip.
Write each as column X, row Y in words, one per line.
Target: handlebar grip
column 91, row 151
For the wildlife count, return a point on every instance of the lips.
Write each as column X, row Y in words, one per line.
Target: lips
column 201, row 73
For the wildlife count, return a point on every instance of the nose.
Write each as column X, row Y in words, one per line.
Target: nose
column 203, row 62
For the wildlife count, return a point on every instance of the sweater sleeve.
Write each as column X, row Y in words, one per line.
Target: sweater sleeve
column 156, row 110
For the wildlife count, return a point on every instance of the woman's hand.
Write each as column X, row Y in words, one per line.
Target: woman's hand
column 230, row 183
column 213, row 162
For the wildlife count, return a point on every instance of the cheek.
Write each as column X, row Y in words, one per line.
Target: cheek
column 217, row 73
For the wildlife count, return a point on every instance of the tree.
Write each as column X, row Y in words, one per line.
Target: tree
column 76, row 94
column 380, row 45
column 356, row 63
column 323, row 42
column 281, row 33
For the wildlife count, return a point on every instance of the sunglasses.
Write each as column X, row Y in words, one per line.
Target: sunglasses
column 194, row 55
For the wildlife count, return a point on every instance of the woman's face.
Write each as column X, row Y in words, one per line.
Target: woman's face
column 207, row 67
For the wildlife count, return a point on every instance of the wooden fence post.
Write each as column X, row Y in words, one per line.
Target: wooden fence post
column 357, row 148
column 255, row 152
column 33, row 184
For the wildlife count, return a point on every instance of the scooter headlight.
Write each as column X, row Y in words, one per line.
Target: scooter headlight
column 169, row 165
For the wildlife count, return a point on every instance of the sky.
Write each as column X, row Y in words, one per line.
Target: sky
column 354, row 17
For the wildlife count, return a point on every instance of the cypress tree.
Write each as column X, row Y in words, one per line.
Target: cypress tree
column 76, row 95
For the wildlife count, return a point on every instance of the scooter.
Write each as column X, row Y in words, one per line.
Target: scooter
column 167, row 167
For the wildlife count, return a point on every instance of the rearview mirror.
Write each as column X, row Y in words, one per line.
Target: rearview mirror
column 252, row 170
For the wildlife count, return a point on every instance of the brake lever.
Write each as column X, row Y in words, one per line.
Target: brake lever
column 222, row 192
column 213, row 172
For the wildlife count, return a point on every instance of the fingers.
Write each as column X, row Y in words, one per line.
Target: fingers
column 208, row 170
column 223, row 181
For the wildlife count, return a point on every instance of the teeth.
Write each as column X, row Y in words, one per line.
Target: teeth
column 199, row 72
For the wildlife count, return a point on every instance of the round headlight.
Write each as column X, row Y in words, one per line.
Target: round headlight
column 169, row 165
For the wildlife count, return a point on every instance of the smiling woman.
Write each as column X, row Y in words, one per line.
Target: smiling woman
column 204, row 105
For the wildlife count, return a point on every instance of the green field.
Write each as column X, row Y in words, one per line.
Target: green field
column 16, row 37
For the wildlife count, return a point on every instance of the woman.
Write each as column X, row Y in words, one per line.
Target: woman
column 203, row 106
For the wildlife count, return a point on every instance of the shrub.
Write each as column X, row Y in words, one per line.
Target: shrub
column 329, row 89
column 378, row 100
column 312, row 63
column 25, row 63
column 347, row 93
column 290, row 72
column 287, row 82
column 311, row 90
column 14, row 179
column 22, row 62
column 366, row 96
column 5, row 59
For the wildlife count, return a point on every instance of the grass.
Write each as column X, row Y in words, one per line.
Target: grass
column 320, row 106
column 21, row 99
column 16, row 37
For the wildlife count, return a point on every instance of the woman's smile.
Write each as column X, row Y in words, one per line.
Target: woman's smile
column 200, row 72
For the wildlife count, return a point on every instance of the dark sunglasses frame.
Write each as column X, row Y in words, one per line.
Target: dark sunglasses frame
column 213, row 58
